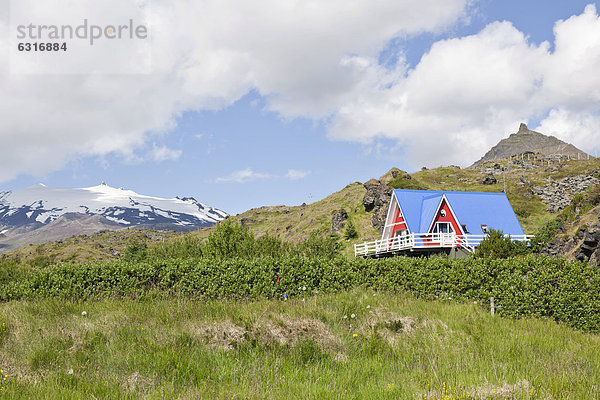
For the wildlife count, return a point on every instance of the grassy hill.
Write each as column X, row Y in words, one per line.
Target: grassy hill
column 99, row 246
column 296, row 223
column 356, row 345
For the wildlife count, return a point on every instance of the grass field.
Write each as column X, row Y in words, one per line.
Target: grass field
column 359, row 344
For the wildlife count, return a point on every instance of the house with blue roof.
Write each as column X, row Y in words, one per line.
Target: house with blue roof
column 434, row 221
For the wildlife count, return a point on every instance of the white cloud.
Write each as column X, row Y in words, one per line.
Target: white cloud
column 295, row 174
column 460, row 99
column 243, row 176
column 467, row 93
column 313, row 59
column 205, row 55
column 583, row 128
column 163, row 153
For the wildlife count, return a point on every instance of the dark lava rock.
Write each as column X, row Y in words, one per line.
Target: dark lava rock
column 248, row 221
column 490, row 179
column 377, row 199
column 338, row 222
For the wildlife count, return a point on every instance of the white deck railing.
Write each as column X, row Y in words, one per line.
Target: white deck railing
column 424, row 241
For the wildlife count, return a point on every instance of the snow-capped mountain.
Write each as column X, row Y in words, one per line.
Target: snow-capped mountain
column 40, row 205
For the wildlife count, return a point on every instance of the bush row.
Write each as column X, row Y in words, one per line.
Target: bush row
column 529, row 286
column 231, row 239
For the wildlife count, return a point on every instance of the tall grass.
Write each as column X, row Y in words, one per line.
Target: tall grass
column 359, row 344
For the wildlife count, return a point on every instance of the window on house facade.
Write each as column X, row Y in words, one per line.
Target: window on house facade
column 443, row 227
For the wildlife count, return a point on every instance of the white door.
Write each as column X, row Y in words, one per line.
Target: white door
column 445, row 233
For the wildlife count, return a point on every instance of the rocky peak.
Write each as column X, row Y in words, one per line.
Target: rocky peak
column 528, row 141
column 523, row 128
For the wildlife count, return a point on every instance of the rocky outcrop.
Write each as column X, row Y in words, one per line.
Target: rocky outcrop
column 489, row 179
column 527, row 141
column 392, row 174
column 589, row 250
column 248, row 221
column 338, row 221
column 583, row 246
column 557, row 195
column 377, row 199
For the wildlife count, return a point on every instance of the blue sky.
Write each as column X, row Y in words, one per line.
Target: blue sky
column 292, row 120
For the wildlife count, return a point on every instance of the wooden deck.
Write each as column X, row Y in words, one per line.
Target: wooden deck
column 423, row 244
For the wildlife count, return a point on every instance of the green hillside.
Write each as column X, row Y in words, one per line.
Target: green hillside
column 100, row 246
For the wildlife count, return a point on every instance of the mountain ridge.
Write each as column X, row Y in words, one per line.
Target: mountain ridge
column 29, row 214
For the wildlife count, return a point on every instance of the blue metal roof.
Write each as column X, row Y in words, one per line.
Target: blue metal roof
column 472, row 209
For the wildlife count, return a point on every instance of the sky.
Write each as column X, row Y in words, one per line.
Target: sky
column 246, row 104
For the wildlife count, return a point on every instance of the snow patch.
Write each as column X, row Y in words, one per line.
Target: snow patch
column 117, row 220
column 45, row 217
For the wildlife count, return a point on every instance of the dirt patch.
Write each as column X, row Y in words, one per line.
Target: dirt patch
column 224, row 335
column 289, row 331
column 136, row 382
column 505, row 391
column 286, row 331
column 277, row 331
column 483, row 392
column 16, row 371
column 435, row 323
column 389, row 325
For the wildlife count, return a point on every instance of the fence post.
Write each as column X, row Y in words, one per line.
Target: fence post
column 492, row 308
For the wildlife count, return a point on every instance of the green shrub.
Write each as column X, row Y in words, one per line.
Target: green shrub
column 185, row 247
column 11, row 270
column 496, row 245
column 317, row 246
column 528, row 286
column 230, row 239
column 269, row 246
column 351, row 232
column 135, row 252
column 545, row 235
column 592, row 195
column 233, row 240
column 41, row 262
